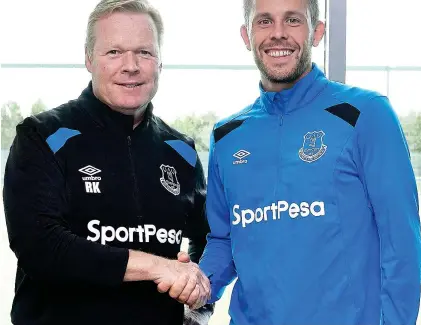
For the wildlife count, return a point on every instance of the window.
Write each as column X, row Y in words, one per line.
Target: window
column 383, row 55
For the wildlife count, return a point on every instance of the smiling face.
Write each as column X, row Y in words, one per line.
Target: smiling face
column 281, row 36
column 125, row 64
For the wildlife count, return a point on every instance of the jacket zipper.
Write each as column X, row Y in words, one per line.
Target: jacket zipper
column 136, row 194
column 278, row 166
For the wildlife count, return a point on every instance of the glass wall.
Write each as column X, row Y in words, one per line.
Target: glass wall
column 383, row 55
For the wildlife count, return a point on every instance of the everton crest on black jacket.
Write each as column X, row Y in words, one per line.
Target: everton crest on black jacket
column 81, row 188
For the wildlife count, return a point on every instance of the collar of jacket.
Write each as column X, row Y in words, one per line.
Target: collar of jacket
column 301, row 94
column 103, row 115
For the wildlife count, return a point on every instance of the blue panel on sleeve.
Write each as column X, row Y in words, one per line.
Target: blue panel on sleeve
column 60, row 137
column 187, row 152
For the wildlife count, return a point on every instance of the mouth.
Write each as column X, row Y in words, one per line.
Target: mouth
column 279, row 53
column 130, row 85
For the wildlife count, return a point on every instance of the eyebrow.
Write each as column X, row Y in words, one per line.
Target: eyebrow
column 295, row 13
column 148, row 46
column 287, row 14
column 262, row 15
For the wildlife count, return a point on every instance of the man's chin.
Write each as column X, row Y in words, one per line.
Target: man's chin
column 132, row 107
column 279, row 71
column 127, row 108
column 284, row 76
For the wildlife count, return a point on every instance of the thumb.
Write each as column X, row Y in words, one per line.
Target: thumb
column 163, row 287
column 183, row 257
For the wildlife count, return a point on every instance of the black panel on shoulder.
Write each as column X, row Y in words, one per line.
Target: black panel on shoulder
column 345, row 111
column 223, row 130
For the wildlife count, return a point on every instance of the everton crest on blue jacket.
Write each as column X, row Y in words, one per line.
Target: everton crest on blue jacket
column 313, row 208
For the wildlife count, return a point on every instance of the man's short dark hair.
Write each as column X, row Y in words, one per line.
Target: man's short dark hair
column 312, row 4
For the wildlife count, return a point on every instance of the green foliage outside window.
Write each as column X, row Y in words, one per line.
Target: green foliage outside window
column 11, row 115
column 198, row 127
column 38, row 107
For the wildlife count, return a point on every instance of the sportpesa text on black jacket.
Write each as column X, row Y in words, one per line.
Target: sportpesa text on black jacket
column 81, row 188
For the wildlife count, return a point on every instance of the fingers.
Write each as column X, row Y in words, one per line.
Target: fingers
column 163, row 287
column 202, row 292
column 188, row 284
column 195, row 295
column 201, row 299
column 206, row 285
column 204, row 282
column 179, row 285
column 183, row 257
column 188, row 290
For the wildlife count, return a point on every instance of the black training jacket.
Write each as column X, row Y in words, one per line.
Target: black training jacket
column 82, row 187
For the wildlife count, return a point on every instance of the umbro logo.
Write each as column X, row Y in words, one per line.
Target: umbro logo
column 90, row 170
column 240, row 155
column 91, row 181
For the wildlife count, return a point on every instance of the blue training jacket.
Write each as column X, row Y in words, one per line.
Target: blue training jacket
column 313, row 207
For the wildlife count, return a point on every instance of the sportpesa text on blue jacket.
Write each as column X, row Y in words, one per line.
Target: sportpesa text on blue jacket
column 313, row 207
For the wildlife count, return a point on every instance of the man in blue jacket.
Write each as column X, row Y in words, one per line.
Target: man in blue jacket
column 312, row 200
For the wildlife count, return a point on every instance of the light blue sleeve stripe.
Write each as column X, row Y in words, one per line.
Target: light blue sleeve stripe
column 60, row 137
column 187, row 152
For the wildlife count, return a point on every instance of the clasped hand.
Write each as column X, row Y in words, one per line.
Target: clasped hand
column 184, row 281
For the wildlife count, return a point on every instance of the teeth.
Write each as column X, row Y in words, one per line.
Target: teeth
column 280, row 53
column 131, row 86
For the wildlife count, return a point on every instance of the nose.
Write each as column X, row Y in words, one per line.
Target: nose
column 130, row 63
column 278, row 31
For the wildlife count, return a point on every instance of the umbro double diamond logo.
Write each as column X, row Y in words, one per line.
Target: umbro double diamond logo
column 240, row 155
column 91, row 181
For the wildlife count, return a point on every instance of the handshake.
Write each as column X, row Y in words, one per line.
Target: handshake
column 183, row 280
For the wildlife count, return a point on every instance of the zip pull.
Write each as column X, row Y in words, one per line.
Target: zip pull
column 281, row 119
column 129, row 140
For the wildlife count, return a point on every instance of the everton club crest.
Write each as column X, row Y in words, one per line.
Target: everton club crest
column 169, row 179
column 313, row 146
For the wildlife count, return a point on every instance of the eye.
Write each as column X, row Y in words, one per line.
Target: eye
column 293, row 21
column 264, row 21
column 113, row 52
column 145, row 53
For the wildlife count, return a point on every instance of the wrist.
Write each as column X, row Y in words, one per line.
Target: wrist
column 142, row 266
column 158, row 266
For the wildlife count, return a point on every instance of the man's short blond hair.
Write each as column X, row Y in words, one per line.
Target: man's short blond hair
column 106, row 7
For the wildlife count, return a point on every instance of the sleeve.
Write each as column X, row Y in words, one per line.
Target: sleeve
column 197, row 226
column 197, row 230
column 386, row 170
column 217, row 262
column 35, row 206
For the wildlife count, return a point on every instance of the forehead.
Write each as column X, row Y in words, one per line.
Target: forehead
column 125, row 27
column 277, row 7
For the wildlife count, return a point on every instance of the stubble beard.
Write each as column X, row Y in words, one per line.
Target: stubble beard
column 277, row 75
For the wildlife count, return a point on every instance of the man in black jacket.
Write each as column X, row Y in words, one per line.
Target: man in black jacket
column 99, row 192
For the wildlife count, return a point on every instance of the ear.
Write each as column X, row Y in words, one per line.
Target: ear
column 88, row 62
column 245, row 37
column 319, row 32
